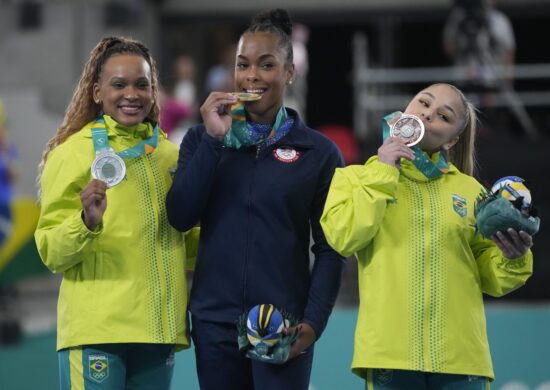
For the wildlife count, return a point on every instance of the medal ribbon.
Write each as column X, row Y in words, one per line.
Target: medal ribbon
column 243, row 134
column 421, row 160
column 101, row 141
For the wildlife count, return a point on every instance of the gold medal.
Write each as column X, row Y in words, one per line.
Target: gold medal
column 247, row 97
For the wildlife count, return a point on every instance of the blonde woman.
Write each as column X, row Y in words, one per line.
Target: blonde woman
column 408, row 215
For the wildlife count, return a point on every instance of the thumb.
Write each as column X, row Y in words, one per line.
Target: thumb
column 292, row 329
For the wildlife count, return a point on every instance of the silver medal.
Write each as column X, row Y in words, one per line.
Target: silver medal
column 108, row 167
column 409, row 127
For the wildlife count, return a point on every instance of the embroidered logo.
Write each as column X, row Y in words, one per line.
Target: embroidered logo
column 98, row 367
column 460, row 206
column 383, row 376
column 286, row 154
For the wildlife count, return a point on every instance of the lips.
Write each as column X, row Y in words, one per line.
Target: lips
column 130, row 109
column 255, row 90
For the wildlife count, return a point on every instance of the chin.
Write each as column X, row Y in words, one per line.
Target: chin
column 129, row 121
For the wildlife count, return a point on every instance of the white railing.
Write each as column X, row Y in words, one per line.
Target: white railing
column 375, row 88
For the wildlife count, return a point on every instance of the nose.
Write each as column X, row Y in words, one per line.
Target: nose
column 252, row 74
column 130, row 93
column 427, row 116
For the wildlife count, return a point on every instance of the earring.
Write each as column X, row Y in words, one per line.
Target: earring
column 97, row 101
column 289, row 82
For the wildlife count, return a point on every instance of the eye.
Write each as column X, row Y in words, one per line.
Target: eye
column 143, row 85
column 267, row 65
column 118, row 85
column 241, row 65
column 444, row 117
column 424, row 102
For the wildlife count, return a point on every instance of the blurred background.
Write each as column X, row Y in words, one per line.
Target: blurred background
column 356, row 61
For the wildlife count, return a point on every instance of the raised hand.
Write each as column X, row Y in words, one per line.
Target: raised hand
column 215, row 113
column 94, row 203
column 392, row 150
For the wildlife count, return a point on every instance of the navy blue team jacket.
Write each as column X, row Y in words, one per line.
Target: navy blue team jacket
column 256, row 212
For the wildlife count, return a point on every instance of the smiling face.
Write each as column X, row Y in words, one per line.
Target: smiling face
column 442, row 112
column 124, row 89
column 261, row 68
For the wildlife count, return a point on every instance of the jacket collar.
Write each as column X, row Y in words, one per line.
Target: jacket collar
column 142, row 130
column 409, row 170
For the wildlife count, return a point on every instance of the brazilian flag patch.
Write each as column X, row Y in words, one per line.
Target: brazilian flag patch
column 98, row 367
column 383, row 376
column 460, row 206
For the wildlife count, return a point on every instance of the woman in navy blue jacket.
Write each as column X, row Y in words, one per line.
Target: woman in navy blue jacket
column 256, row 178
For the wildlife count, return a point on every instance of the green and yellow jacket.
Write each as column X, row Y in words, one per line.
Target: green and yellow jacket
column 422, row 267
column 124, row 282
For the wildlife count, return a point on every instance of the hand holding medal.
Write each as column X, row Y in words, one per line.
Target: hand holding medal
column 400, row 131
column 94, row 203
column 216, row 113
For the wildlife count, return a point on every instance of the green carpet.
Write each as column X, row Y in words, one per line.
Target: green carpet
column 518, row 336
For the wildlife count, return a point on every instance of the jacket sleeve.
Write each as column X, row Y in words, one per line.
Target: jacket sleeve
column 187, row 198
column 499, row 275
column 328, row 265
column 61, row 237
column 356, row 204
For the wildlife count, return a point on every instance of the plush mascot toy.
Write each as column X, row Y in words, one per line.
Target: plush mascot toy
column 506, row 205
column 261, row 334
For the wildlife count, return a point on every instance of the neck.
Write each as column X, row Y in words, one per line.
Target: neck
column 431, row 152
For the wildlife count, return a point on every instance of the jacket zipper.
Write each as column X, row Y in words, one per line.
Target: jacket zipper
column 249, row 216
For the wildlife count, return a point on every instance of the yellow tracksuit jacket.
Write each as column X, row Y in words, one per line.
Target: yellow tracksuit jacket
column 125, row 282
column 422, row 268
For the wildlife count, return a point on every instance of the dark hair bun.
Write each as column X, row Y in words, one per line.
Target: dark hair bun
column 277, row 17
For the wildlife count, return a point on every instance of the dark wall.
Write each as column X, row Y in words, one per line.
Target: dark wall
column 407, row 39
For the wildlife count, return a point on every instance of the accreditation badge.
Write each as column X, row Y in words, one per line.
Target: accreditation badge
column 409, row 127
column 108, row 167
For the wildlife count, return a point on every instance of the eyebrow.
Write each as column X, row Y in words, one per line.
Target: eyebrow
column 262, row 57
column 445, row 106
column 121, row 78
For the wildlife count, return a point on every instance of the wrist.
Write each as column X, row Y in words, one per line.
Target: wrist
column 391, row 163
column 90, row 225
column 217, row 137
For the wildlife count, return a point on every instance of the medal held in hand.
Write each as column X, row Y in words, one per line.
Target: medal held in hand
column 409, row 127
column 108, row 167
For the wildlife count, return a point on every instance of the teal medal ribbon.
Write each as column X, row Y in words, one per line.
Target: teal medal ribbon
column 101, row 141
column 421, row 160
column 109, row 165
column 243, row 134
